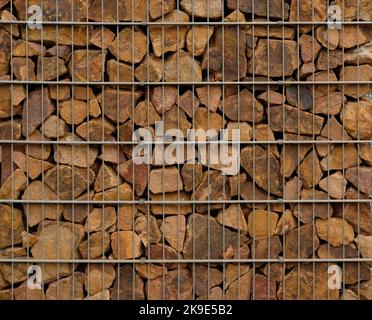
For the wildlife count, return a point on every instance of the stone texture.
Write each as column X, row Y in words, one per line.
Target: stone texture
column 181, row 67
column 165, row 180
column 84, row 60
column 335, row 185
column 357, row 119
column 335, row 231
column 95, row 246
column 262, row 224
column 126, row 245
column 173, row 229
column 11, row 226
column 360, row 177
column 197, row 39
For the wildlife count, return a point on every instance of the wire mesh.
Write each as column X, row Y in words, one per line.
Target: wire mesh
column 80, row 219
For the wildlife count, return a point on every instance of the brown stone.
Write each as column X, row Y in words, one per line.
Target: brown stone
column 60, row 92
column 315, row 11
column 327, row 251
column 292, row 189
column 181, row 67
column 157, row 8
column 121, row 192
column 310, row 171
column 333, row 130
column 306, row 212
column 360, row 177
column 95, row 129
column 37, row 212
column 357, row 119
column 203, row 119
column 272, row 9
column 310, row 48
column 201, row 9
column 107, row 178
column 147, row 229
column 213, row 187
column 24, row 293
column 352, row 36
column 20, row 47
column 233, row 217
column 268, row 248
column 122, row 10
column 23, row 69
column 198, row 245
column 307, row 282
column 328, row 60
column 72, row 182
column 365, row 246
column 70, row 288
column 95, row 246
column 164, row 98
column 30, row 166
column 355, row 74
column 165, row 180
column 77, row 213
column 128, row 284
column 265, row 288
column 14, row 185
column 365, row 153
column 84, row 60
column 59, row 51
column 57, row 240
column 335, row 185
column 11, row 226
column 50, row 68
column 275, row 67
column 94, row 108
column 272, row 97
column 12, row 29
column 173, row 230
column 150, row 271
column 119, row 104
column 189, row 103
column 137, row 175
column 78, row 155
column 191, row 175
column 102, row 37
column 169, row 38
column 98, row 277
column 209, row 96
column 266, row 168
column 336, row 231
column 261, row 224
column 330, row 104
column 100, row 219
column 119, row 71
column 34, row 112
column 356, row 272
column 11, row 96
column 6, row 48
column 177, row 284
column 263, row 132
column 206, row 278
column 321, row 90
column 175, row 118
column 9, row 127
column 73, row 111
column 300, row 96
column 359, row 55
column 241, row 288
column 126, row 245
column 295, row 121
column 287, row 222
column 234, row 64
column 243, row 107
column 83, row 93
column 340, row 157
column 159, row 209
column 125, row 219
column 328, row 38
column 245, row 132
column 300, row 243
column 150, row 69
column 197, row 39
column 54, row 127
column 307, row 69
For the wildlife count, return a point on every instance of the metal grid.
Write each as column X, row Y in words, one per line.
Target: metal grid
column 278, row 204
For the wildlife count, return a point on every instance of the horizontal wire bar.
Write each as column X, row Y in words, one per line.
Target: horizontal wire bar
column 143, row 261
column 196, row 142
column 158, row 83
column 181, row 23
column 182, row 202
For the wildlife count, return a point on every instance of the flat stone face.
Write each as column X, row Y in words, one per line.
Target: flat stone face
column 269, row 60
column 11, row 226
column 165, row 180
column 261, row 8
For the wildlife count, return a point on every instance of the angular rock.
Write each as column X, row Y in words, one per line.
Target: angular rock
column 169, row 38
column 264, row 246
column 70, row 288
column 157, row 8
column 182, row 67
column 102, row 37
column 360, row 177
column 84, row 60
column 197, row 39
column 125, row 218
column 50, row 68
column 150, row 69
column 73, row 111
column 14, row 185
column 159, row 209
column 164, row 98
column 327, row 251
column 137, row 175
column 261, row 8
column 126, row 245
column 310, row 48
column 201, row 9
column 54, row 127
column 357, row 119
column 353, row 36
column 203, row 119
column 197, row 238
column 165, row 180
column 328, row 38
column 122, row 192
column 362, row 72
column 107, row 178
column 95, row 129
column 329, row 60
column 173, row 229
column 119, row 71
column 340, row 157
column 233, row 217
column 315, row 11
column 287, row 222
column 310, row 171
column 234, row 64
column 150, row 271
column 272, row 65
column 147, row 229
column 266, row 168
column 189, row 103
column 301, row 243
column 295, row 121
column 9, row 127
column 336, row 231
column 37, row 107
column 30, row 166
column 330, row 104
column 95, row 246
column 11, row 226
column 335, row 185
column 300, row 96
column 98, row 277
column 23, row 69
column 126, row 279
column 206, row 278
column 242, row 107
column 262, row 224
column 100, row 219
column 68, row 182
